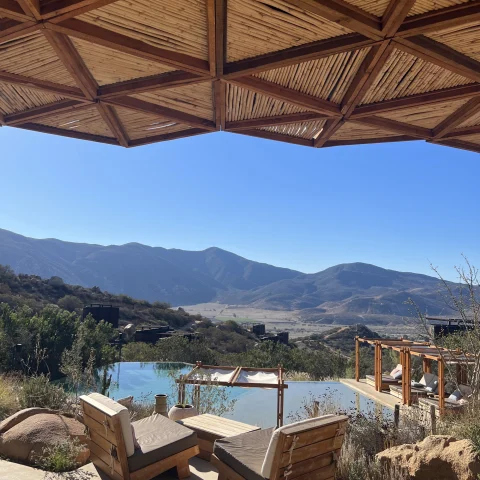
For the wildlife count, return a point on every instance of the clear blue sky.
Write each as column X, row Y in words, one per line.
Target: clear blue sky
column 399, row 206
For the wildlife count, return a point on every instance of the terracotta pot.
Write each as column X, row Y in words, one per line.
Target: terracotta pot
column 179, row 412
column 161, row 406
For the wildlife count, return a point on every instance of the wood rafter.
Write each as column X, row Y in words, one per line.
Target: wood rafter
column 276, row 136
column 274, row 120
column 191, row 132
column 397, row 127
column 220, row 96
column 344, row 14
column 107, row 38
column 67, row 133
column 168, row 113
column 31, row 8
column 110, row 117
column 18, row 30
column 462, row 132
column 295, row 55
column 456, row 143
column 394, row 16
column 465, row 112
column 43, row 111
column 367, row 141
column 294, row 97
column 65, row 9
column 11, row 9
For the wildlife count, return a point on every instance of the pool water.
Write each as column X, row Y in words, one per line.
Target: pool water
column 255, row 406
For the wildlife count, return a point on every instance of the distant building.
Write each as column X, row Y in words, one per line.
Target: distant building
column 281, row 337
column 442, row 326
column 99, row 312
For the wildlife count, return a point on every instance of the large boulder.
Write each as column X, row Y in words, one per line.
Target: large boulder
column 24, row 436
column 437, row 457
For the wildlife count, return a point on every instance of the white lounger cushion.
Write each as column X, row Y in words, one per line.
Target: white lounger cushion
column 268, row 462
column 111, row 407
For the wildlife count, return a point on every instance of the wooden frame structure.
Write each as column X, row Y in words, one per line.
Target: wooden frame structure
column 108, row 452
column 308, row 72
column 424, row 350
column 308, row 453
column 280, row 386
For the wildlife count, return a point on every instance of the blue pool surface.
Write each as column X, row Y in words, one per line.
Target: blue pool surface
column 255, row 406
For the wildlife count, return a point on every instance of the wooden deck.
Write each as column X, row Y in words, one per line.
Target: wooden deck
column 383, row 398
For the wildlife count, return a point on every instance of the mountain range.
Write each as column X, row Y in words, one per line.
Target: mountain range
column 347, row 293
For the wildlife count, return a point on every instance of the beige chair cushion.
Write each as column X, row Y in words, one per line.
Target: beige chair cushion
column 111, row 407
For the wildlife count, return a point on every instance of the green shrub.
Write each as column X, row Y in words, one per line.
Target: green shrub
column 61, row 457
column 37, row 391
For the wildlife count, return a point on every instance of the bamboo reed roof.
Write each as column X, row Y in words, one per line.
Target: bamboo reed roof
column 317, row 73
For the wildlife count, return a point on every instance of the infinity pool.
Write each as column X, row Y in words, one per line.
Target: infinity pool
column 253, row 405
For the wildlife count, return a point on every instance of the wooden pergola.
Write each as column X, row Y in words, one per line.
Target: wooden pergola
column 407, row 348
column 236, row 377
column 318, row 73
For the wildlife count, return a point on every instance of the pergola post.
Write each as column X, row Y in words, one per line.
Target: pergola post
column 357, row 359
column 461, row 374
column 402, row 361
column 441, row 385
column 280, row 397
column 427, row 365
column 379, row 367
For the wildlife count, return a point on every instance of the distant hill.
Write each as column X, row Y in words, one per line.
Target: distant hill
column 343, row 294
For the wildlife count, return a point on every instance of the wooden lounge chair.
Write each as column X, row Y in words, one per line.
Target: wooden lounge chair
column 416, row 393
column 303, row 450
column 162, row 444
column 387, row 380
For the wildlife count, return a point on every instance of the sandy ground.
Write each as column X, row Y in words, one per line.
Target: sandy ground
column 280, row 320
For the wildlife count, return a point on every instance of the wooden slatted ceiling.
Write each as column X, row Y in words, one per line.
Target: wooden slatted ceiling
column 16, row 98
column 471, row 138
column 119, row 67
column 193, row 99
column 465, row 39
column 424, row 6
column 307, row 130
column 404, row 75
column 375, row 7
column 427, row 116
column 356, row 131
column 32, row 56
column 471, row 122
column 327, row 78
column 143, row 125
column 255, row 27
column 243, row 104
column 85, row 120
column 179, row 26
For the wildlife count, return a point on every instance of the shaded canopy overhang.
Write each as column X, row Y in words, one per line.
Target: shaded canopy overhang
column 313, row 73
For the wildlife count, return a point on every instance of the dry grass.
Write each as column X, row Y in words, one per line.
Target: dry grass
column 9, row 393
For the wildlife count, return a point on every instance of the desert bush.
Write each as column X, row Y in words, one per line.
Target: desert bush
column 38, row 391
column 61, row 456
column 9, row 390
column 139, row 352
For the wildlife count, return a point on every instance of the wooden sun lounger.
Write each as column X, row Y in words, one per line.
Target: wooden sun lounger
column 387, row 380
column 157, row 454
column 416, row 393
column 426, row 402
column 303, row 450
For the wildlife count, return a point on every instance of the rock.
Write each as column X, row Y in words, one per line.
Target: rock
column 20, row 416
column 437, row 457
column 25, row 440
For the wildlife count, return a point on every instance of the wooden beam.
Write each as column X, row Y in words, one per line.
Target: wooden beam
column 107, row 38
column 314, row 104
column 218, row 36
column 168, row 113
column 110, row 117
column 394, row 16
column 276, row 136
column 65, row 9
column 2, row 120
column 295, row 55
column 31, row 8
column 51, row 87
column 368, row 141
column 343, row 14
column 274, row 120
column 67, row 133
column 146, row 84
column 329, row 129
column 11, row 9
column 167, row 136
column 43, row 111
column 462, row 132
column 220, row 95
column 73, row 62
column 458, row 117
column 396, row 127
column 444, row 18
column 211, row 32
column 420, row 99
column 441, row 55
column 19, row 30
column 365, row 76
